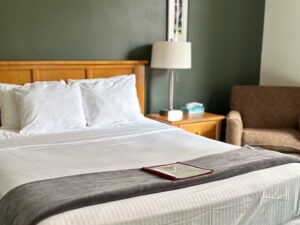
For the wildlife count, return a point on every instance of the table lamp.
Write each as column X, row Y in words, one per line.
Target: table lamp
column 171, row 55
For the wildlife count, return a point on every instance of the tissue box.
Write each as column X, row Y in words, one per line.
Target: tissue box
column 195, row 109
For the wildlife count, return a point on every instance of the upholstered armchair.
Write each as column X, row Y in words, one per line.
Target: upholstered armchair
column 267, row 117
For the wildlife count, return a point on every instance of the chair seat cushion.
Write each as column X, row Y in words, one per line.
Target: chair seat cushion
column 284, row 140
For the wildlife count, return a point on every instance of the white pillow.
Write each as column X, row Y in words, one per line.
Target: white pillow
column 44, row 83
column 45, row 109
column 82, row 81
column 110, row 101
column 8, row 108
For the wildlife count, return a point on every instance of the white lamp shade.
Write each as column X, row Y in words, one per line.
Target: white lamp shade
column 171, row 55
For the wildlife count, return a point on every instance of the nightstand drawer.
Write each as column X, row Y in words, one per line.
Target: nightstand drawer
column 204, row 124
column 207, row 129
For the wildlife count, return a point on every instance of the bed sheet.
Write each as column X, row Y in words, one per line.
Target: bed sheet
column 260, row 197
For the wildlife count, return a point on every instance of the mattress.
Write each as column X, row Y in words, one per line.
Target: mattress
column 269, row 196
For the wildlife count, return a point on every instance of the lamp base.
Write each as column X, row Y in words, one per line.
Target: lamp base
column 172, row 115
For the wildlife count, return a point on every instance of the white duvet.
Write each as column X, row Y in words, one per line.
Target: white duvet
column 269, row 196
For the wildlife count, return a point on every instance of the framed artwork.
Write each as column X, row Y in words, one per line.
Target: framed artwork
column 177, row 20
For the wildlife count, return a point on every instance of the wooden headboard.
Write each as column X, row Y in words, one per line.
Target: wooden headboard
column 21, row 72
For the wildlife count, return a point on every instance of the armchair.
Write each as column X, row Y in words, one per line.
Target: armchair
column 267, row 117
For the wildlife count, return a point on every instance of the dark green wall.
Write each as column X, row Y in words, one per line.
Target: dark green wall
column 226, row 37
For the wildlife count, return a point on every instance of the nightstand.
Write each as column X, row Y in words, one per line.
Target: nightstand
column 204, row 124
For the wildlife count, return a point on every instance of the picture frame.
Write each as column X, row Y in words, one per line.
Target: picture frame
column 177, row 20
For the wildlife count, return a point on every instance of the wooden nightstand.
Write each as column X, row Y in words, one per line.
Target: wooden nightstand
column 204, row 124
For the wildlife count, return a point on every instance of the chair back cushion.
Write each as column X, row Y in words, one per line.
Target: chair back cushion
column 267, row 106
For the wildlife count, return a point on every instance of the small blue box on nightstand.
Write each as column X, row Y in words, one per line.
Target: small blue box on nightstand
column 194, row 109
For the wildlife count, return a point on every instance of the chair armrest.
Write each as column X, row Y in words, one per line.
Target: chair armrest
column 234, row 128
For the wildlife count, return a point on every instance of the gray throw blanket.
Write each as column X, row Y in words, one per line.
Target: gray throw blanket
column 30, row 203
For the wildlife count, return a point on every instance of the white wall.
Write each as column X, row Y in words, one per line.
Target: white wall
column 281, row 43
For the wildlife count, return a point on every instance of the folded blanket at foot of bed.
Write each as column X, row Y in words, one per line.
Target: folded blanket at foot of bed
column 30, row 203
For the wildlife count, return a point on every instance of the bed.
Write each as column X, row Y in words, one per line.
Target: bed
column 266, row 196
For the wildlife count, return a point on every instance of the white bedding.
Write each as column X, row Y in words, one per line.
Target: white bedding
column 269, row 196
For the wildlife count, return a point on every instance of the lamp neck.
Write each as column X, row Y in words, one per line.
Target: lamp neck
column 171, row 88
